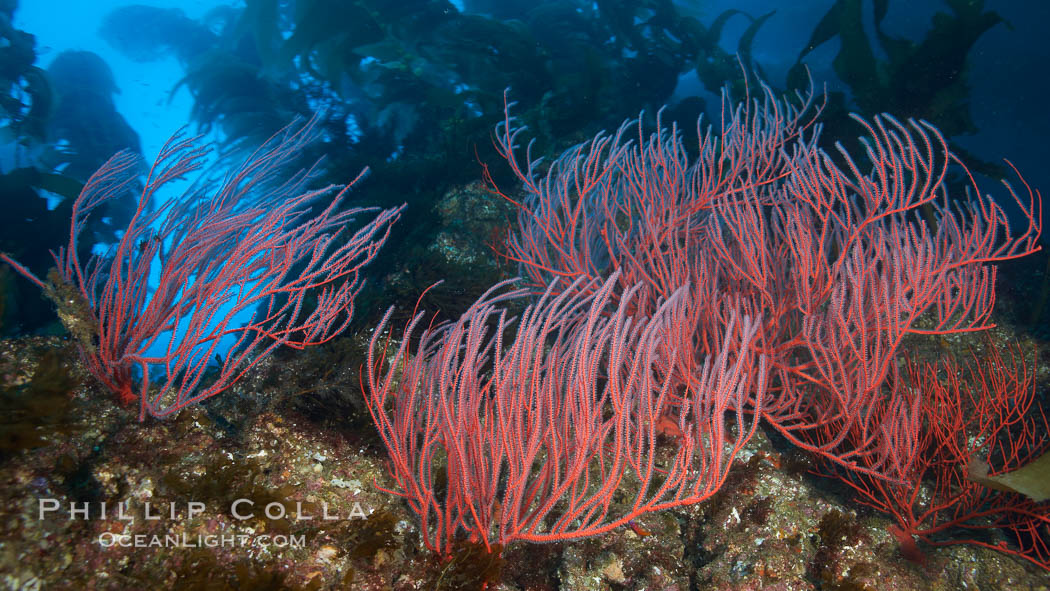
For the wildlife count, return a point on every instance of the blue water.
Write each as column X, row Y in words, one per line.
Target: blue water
column 1007, row 65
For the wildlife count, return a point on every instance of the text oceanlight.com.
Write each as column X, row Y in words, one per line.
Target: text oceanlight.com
column 108, row 540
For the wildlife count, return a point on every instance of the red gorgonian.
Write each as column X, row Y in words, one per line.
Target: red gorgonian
column 257, row 244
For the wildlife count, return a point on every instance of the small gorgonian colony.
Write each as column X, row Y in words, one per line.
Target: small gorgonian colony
column 186, row 272
column 684, row 299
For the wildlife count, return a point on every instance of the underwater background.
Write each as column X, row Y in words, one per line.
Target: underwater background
column 415, row 92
